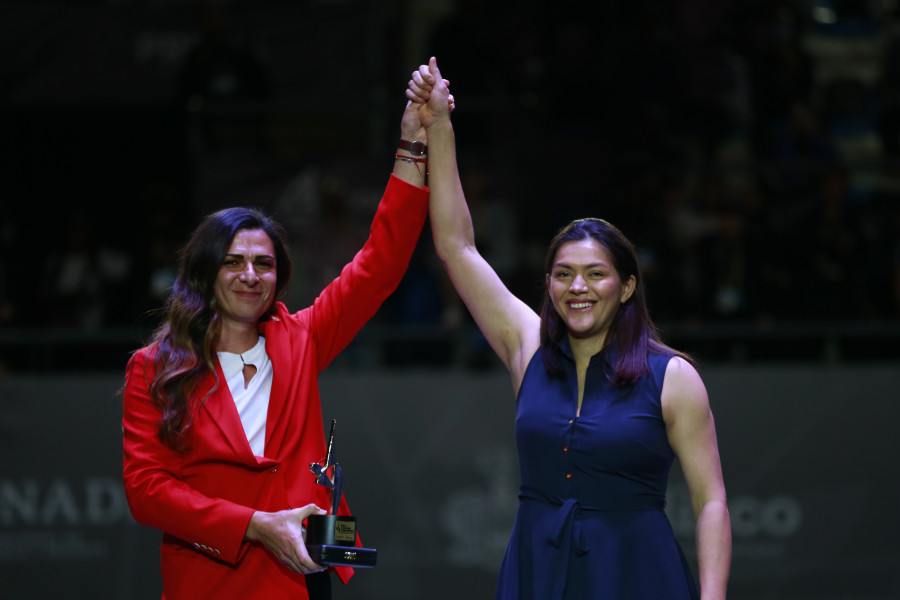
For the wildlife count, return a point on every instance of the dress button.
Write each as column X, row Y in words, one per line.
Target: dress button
column 568, row 476
column 275, row 470
column 571, row 420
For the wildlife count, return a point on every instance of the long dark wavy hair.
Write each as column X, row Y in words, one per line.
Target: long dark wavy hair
column 631, row 328
column 183, row 352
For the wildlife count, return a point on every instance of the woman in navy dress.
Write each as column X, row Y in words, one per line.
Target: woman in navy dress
column 603, row 407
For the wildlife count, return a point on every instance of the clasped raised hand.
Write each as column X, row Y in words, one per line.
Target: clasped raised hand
column 431, row 92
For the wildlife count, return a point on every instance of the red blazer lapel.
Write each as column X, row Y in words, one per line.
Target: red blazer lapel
column 278, row 348
column 220, row 407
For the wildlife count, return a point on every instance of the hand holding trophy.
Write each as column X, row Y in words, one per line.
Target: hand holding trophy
column 331, row 538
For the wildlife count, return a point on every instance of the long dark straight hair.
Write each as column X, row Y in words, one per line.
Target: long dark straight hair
column 631, row 328
column 183, row 352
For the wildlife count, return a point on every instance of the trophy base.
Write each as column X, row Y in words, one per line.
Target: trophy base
column 330, row 539
column 342, row 556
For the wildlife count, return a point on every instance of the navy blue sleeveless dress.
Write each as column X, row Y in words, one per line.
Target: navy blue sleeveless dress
column 591, row 523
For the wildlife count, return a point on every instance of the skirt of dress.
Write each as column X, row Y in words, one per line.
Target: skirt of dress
column 570, row 553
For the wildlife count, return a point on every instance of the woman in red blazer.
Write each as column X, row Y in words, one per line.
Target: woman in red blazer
column 222, row 414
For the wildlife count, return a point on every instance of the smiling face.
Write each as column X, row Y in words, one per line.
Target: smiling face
column 245, row 284
column 585, row 288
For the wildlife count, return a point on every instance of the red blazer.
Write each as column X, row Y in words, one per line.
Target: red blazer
column 202, row 500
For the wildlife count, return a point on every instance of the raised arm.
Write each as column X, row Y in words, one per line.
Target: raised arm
column 411, row 130
column 510, row 326
column 352, row 298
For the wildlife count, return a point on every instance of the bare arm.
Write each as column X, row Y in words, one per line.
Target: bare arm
column 510, row 326
column 692, row 435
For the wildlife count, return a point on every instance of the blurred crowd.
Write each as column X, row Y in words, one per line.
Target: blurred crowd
column 751, row 149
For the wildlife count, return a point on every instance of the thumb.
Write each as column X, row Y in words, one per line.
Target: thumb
column 311, row 509
column 433, row 67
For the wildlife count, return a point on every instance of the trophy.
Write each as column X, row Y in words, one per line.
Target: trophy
column 331, row 538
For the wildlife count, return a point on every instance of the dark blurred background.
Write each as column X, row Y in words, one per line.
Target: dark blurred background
column 750, row 148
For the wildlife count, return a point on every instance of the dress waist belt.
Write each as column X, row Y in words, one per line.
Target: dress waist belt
column 564, row 536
